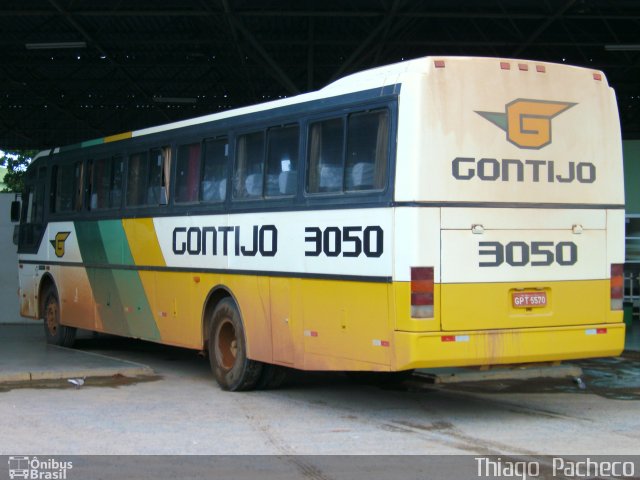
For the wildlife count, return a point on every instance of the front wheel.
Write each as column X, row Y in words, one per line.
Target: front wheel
column 228, row 350
column 55, row 333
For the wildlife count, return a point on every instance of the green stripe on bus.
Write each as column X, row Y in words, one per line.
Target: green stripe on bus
column 119, row 294
column 114, row 240
column 91, row 143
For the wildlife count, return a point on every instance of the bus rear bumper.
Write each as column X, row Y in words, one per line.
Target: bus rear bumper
column 495, row 347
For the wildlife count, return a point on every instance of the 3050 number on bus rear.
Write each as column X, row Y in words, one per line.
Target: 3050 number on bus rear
column 521, row 254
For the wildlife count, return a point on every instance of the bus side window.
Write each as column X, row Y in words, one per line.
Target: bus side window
column 325, row 165
column 29, row 205
column 249, row 166
column 213, row 186
column 159, row 170
column 62, row 180
column 188, row 173
column 136, row 179
column 34, row 204
column 78, row 186
column 367, row 150
column 99, row 195
column 37, row 213
column 53, row 197
column 282, row 161
column 115, row 186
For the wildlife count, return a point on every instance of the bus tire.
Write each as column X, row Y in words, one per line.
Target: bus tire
column 55, row 333
column 272, row 377
column 228, row 350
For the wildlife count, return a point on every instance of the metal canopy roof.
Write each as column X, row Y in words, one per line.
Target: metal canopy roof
column 74, row 70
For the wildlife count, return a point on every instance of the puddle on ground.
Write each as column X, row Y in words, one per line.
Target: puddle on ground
column 616, row 378
column 114, row 381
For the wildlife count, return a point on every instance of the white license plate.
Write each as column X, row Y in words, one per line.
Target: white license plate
column 529, row 299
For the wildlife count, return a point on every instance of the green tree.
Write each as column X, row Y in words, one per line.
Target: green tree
column 16, row 163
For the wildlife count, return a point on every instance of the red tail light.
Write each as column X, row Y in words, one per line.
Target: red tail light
column 422, row 292
column 617, row 286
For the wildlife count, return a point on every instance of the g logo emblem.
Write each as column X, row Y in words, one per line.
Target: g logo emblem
column 527, row 122
column 58, row 243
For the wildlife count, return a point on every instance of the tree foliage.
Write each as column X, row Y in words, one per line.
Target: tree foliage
column 16, row 163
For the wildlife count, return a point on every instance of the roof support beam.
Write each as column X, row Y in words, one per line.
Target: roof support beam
column 384, row 24
column 95, row 44
column 533, row 37
column 276, row 71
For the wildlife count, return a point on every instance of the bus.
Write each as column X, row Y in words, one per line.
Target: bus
column 438, row 212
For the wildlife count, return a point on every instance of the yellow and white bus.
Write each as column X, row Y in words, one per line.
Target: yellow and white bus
column 436, row 212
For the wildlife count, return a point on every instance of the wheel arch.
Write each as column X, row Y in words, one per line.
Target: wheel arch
column 217, row 293
column 45, row 282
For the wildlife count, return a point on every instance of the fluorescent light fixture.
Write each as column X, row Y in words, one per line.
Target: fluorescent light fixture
column 54, row 45
column 174, row 99
column 623, row 47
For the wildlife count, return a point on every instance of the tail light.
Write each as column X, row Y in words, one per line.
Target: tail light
column 422, row 292
column 617, row 286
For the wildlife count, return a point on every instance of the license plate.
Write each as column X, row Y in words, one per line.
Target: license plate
column 529, row 299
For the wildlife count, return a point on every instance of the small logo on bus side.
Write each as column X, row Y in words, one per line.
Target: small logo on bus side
column 58, row 243
column 527, row 122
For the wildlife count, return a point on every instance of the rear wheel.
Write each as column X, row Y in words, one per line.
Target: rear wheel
column 55, row 333
column 228, row 350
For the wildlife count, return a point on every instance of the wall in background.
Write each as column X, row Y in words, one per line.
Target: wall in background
column 9, row 311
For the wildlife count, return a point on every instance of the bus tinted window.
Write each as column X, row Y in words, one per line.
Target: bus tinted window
column 282, row 161
column 105, row 188
column 117, row 177
column 188, row 173
column 77, row 186
column 37, row 210
column 364, row 164
column 136, row 179
column 159, row 169
column 101, row 175
column 65, row 188
column 214, row 173
column 367, row 147
column 325, row 166
column 249, row 166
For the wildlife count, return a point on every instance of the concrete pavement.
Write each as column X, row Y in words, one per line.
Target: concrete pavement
column 24, row 356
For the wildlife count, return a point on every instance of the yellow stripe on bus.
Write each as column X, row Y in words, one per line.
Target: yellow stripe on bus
column 119, row 136
column 143, row 242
